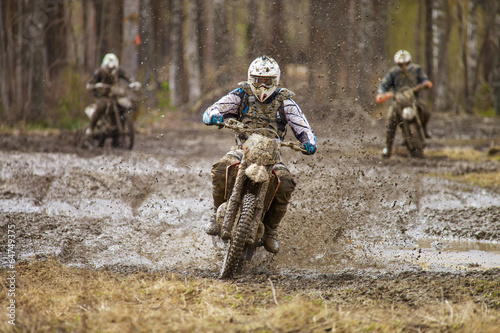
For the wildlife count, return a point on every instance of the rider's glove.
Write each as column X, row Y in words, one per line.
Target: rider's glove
column 135, row 85
column 212, row 120
column 309, row 148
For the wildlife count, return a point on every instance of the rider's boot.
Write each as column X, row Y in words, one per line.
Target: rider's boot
column 389, row 136
column 427, row 134
column 212, row 228
column 386, row 152
column 271, row 222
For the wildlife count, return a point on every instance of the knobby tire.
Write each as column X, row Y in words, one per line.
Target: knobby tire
column 413, row 139
column 239, row 238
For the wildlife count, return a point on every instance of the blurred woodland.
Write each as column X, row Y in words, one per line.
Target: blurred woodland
column 188, row 52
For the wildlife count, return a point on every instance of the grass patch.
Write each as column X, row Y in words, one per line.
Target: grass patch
column 458, row 153
column 51, row 297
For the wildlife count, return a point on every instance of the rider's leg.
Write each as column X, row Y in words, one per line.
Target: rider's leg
column 219, row 187
column 278, row 208
column 101, row 105
column 391, row 125
column 424, row 115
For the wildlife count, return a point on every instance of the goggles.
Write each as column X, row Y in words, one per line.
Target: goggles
column 263, row 81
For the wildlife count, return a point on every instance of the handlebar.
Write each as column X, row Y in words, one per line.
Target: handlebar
column 239, row 127
column 388, row 95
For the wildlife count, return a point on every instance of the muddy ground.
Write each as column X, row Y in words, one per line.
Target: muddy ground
column 355, row 216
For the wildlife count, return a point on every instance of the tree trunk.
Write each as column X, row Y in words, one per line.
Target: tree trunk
column 223, row 50
column 496, row 71
column 130, row 54
column 418, row 37
column 318, row 86
column 429, row 58
column 75, row 18
column 4, row 66
column 472, row 47
column 441, row 37
column 193, row 56
column 90, row 19
column 279, row 47
column 176, row 63
column 208, row 50
column 366, row 49
column 254, row 38
column 147, row 53
column 35, row 22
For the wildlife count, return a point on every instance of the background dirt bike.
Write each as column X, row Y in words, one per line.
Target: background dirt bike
column 117, row 122
column 250, row 188
column 408, row 120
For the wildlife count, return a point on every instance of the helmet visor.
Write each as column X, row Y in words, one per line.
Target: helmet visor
column 263, row 81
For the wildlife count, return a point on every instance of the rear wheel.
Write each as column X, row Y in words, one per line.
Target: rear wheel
column 414, row 139
column 239, row 238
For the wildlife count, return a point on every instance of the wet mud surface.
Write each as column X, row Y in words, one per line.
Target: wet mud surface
column 355, row 218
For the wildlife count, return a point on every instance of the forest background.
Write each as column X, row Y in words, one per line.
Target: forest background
column 186, row 53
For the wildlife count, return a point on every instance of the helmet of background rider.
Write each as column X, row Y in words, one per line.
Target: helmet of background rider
column 402, row 58
column 110, row 63
column 263, row 77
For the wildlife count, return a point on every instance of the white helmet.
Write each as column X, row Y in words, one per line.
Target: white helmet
column 110, row 62
column 402, row 57
column 264, row 77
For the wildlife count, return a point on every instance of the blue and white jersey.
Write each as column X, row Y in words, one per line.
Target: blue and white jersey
column 229, row 105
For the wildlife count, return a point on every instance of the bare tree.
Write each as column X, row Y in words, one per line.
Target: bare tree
column 441, row 37
column 4, row 65
column 367, row 12
column 147, row 53
column 130, row 54
column 208, row 44
column 90, row 18
column 429, row 57
column 176, row 61
column 193, row 56
column 253, row 35
column 223, row 50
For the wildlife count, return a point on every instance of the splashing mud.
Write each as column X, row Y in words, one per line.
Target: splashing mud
column 352, row 211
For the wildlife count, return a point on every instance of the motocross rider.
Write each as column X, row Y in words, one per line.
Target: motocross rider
column 405, row 74
column 109, row 73
column 260, row 103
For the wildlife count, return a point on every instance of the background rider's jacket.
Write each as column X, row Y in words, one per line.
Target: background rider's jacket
column 107, row 78
column 396, row 79
column 233, row 105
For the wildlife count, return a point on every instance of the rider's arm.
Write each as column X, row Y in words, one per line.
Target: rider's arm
column 96, row 77
column 422, row 78
column 298, row 122
column 124, row 75
column 299, row 125
column 383, row 92
column 225, row 107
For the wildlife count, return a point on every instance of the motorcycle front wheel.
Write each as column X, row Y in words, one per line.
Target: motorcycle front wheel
column 414, row 139
column 126, row 138
column 239, row 238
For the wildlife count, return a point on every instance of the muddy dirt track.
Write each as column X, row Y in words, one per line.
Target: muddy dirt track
column 354, row 214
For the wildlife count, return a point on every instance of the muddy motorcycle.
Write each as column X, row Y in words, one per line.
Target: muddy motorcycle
column 409, row 120
column 250, row 188
column 117, row 121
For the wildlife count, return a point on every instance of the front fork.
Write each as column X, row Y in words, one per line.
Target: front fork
column 235, row 201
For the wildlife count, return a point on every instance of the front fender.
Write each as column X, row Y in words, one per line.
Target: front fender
column 257, row 173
